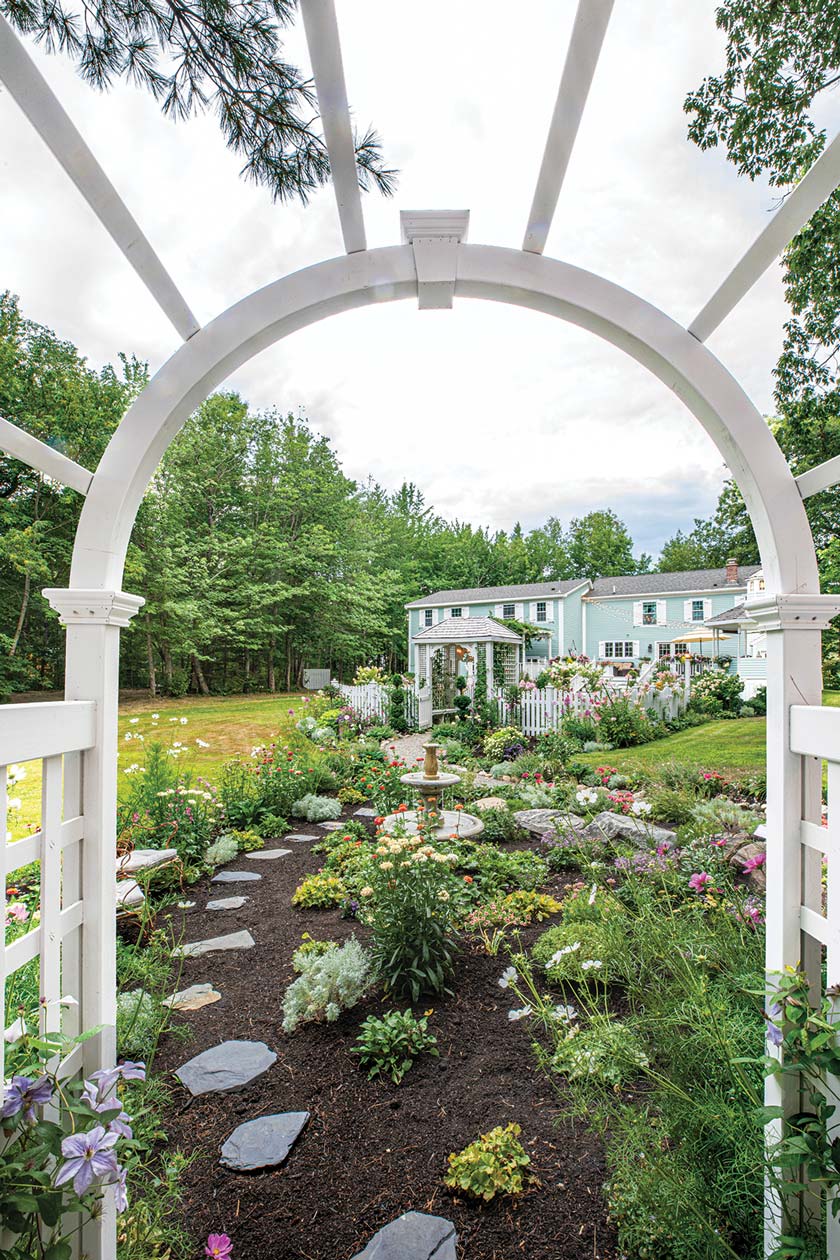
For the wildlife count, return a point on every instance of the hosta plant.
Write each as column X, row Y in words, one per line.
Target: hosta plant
column 388, row 1046
column 494, row 1164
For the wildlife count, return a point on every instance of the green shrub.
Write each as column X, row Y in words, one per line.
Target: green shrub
column 380, row 733
column 516, row 909
column 605, row 1051
column 348, row 795
column 716, row 692
column 328, row 984
column 310, row 948
column 499, row 869
column 388, row 1046
column 591, row 953
column 496, row 742
column 319, row 892
column 271, row 825
column 625, row 724
column 223, row 850
column 671, row 805
column 710, row 817
column 500, row 826
column 494, row 1164
column 247, row 841
column 316, row 808
column 759, row 700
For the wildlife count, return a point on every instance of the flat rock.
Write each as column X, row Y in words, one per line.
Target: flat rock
column 145, row 860
column 413, row 1236
column 268, row 855
column 193, row 998
column 227, row 903
column 227, row 1066
column 235, row 877
column 217, row 944
column 263, row 1143
column 129, row 894
column 332, row 824
column 489, row 802
column 760, row 832
column 298, row 837
column 364, row 812
column 607, row 825
column 540, row 821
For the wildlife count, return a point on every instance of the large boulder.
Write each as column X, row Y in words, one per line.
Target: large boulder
column 610, row 826
column 541, row 822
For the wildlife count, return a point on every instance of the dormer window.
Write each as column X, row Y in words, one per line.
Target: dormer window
column 509, row 611
column 428, row 617
column 455, row 612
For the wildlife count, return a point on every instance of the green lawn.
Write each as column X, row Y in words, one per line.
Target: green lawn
column 227, row 724
column 721, row 746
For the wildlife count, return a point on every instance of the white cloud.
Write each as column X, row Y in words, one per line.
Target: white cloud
column 498, row 413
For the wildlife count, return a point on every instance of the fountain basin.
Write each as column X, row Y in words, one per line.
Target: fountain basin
column 453, row 822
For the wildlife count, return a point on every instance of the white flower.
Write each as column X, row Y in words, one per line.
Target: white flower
column 155, row 717
column 183, row 721
column 586, row 796
column 14, row 775
column 507, row 977
column 561, row 953
column 592, row 894
column 134, row 721
column 641, row 808
column 443, row 895
column 386, row 866
column 564, row 1014
column 366, row 892
column 14, row 802
column 589, row 963
column 202, row 743
column 513, row 1016
column 15, row 1031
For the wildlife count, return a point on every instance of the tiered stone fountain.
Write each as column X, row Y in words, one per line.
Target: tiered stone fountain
column 429, row 786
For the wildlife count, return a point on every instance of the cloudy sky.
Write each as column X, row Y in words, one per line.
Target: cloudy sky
column 499, row 414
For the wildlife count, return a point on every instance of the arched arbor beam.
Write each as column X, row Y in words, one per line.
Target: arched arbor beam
column 649, row 336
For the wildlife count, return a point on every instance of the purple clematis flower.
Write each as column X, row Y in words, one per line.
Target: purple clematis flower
column 88, row 1155
column 774, row 1033
column 24, row 1094
column 121, row 1191
column 132, row 1071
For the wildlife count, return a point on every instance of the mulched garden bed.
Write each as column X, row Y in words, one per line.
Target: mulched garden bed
column 371, row 1150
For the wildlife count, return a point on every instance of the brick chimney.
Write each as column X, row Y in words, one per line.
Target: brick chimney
column 732, row 573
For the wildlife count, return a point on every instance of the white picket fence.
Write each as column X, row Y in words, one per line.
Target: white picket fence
column 537, row 712
column 372, row 702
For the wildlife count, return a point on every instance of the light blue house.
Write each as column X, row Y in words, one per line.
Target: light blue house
column 618, row 621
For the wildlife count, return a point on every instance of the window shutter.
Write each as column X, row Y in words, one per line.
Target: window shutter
column 707, row 609
column 436, row 617
column 636, row 651
column 549, row 610
column 520, row 612
column 500, row 610
column 661, row 612
column 637, row 613
column 686, row 610
column 532, row 611
column 601, row 647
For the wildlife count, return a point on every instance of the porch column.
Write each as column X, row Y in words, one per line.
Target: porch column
column 793, row 624
column 94, row 620
column 488, row 659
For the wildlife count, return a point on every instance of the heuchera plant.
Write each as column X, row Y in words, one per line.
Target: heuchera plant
column 62, row 1142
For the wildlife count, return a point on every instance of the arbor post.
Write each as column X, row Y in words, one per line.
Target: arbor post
column 93, row 620
column 793, row 624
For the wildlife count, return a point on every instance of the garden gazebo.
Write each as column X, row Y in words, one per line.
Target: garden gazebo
column 432, row 264
column 455, row 646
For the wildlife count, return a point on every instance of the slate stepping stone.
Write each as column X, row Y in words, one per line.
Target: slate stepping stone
column 413, row 1236
column 234, row 877
column 217, row 944
column 269, row 855
column 331, row 825
column 227, row 903
column 263, row 1143
column 193, row 998
column 230, row 1065
column 365, row 813
column 299, row 838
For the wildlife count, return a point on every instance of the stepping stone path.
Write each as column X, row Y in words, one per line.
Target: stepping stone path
column 365, row 813
column 145, row 860
column 331, row 825
column 217, row 944
column 230, row 1065
column 263, row 1143
column 413, row 1236
column 299, row 838
column 235, row 877
column 227, row 903
column 268, row 855
column 540, row 821
column 193, row 998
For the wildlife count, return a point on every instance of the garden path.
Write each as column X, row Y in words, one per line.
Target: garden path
column 409, row 748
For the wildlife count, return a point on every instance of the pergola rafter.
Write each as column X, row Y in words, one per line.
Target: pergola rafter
column 42, row 107
column 36, row 454
column 800, row 204
column 590, row 27
column 321, row 27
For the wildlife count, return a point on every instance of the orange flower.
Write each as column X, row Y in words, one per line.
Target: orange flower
column 401, row 809
column 379, row 821
column 459, row 807
column 468, row 879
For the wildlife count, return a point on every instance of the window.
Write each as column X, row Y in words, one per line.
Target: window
column 429, row 617
column 509, row 611
column 664, row 650
column 542, row 610
column 680, row 649
column 456, row 612
column 618, row 651
column 649, row 613
column 698, row 610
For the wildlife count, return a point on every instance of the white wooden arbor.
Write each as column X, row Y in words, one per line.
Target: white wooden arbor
column 434, row 264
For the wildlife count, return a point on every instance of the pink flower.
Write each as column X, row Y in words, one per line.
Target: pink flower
column 698, row 882
column 17, row 912
column 753, row 863
column 219, row 1247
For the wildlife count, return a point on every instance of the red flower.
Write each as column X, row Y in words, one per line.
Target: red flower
column 468, row 879
column 379, row 821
